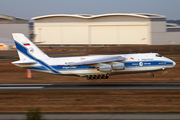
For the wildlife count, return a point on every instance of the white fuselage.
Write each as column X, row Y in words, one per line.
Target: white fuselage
column 133, row 63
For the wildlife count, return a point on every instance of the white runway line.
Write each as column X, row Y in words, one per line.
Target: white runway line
column 22, row 84
column 21, row 87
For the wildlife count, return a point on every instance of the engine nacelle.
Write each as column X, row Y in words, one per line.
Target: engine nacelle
column 105, row 68
column 118, row 66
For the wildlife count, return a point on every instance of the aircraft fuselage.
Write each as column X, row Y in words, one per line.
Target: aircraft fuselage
column 133, row 63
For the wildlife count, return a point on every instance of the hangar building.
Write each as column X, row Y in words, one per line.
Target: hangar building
column 117, row 28
column 9, row 25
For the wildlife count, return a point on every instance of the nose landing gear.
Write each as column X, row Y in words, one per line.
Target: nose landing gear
column 152, row 75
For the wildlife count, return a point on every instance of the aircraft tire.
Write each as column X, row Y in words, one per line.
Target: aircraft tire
column 152, row 75
column 103, row 77
column 99, row 77
column 107, row 77
column 91, row 77
column 94, row 77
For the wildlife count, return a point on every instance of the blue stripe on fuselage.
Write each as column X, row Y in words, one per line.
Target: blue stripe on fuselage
column 147, row 63
column 82, row 67
column 62, row 68
column 24, row 50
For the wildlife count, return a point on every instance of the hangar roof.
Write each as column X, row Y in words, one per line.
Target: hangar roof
column 4, row 19
column 142, row 15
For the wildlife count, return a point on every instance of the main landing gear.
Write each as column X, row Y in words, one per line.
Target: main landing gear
column 91, row 77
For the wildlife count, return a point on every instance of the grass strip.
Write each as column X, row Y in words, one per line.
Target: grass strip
column 90, row 101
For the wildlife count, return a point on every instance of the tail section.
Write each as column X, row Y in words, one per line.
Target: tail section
column 26, row 49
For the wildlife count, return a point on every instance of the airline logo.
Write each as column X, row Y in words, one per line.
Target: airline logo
column 31, row 50
column 26, row 44
column 140, row 63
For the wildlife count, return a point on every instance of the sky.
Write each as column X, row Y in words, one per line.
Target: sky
column 33, row 8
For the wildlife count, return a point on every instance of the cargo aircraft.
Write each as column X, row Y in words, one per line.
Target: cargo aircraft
column 92, row 67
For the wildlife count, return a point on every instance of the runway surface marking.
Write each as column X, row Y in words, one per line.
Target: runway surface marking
column 21, row 88
column 22, row 84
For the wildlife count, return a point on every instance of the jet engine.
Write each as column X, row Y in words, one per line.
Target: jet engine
column 118, row 66
column 105, row 68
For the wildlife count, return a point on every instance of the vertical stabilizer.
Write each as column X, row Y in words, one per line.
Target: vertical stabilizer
column 26, row 49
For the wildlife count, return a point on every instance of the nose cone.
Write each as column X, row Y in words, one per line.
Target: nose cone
column 174, row 64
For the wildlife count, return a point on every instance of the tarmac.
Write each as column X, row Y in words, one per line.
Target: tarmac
column 89, row 86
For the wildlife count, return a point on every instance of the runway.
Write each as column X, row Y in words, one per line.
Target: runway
column 89, row 86
column 98, row 116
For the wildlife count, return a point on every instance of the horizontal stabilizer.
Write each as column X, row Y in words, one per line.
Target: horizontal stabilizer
column 24, row 62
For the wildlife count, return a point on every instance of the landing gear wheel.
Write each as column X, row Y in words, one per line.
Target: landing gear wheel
column 107, row 77
column 95, row 77
column 152, row 75
column 103, row 77
column 91, row 77
column 87, row 78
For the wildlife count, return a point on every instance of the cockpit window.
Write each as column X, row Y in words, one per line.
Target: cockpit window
column 158, row 55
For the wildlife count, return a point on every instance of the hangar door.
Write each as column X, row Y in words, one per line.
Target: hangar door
column 133, row 35
column 62, row 35
column 104, row 34
column 94, row 34
column 48, row 35
column 119, row 34
column 75, row 34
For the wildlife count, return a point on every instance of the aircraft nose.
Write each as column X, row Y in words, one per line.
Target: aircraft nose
column 174, row 63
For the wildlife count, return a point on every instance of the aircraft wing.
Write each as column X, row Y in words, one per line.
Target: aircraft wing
column 99, row 60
